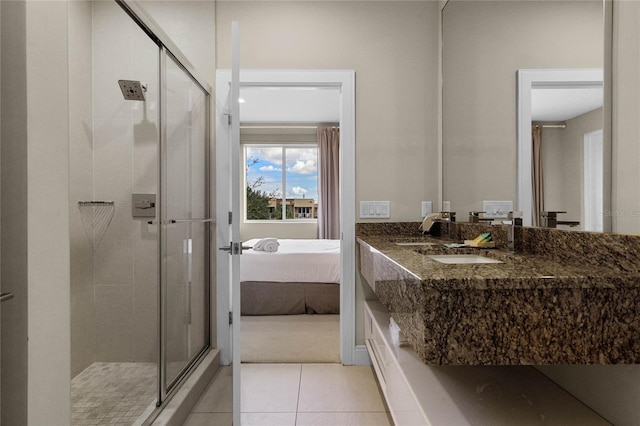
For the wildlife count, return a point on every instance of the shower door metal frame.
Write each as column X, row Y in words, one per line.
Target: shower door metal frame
column 168, row 49
column 165, row 388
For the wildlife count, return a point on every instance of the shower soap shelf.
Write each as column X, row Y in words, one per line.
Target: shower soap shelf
column 95, row 203
column 96, row 217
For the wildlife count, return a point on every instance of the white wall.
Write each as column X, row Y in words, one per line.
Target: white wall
column 563, row 165
column 35, row 242
column 14, row 223
column 0, row 224
column 485, row 43
column 393, row 48
column 191, row 26
column 48, row 213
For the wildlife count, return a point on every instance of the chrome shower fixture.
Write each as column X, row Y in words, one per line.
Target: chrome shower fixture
column 132, row 90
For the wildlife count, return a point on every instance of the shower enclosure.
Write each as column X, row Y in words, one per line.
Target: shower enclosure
column 140, row 214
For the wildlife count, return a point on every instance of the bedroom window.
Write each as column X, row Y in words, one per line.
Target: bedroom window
column 281, row 182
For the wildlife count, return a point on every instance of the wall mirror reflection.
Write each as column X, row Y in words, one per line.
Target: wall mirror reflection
column 485, row 43
column 560, row 148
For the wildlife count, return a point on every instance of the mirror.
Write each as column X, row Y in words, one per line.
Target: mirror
column 485, row 43
column 560, row 148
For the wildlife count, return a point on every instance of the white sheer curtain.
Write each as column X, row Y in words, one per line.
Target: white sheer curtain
column 329, row 183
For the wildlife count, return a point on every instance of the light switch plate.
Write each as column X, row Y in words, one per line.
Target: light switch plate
column 427, row 207
column 497, row 209
column 375, row 209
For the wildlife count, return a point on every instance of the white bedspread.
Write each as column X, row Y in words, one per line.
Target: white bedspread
column 315, row 261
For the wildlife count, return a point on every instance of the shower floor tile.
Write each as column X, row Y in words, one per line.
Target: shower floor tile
column 112, row 393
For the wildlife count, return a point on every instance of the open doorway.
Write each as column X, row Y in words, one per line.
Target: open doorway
column 303, row 83
column 290, row 281
column 564, row 104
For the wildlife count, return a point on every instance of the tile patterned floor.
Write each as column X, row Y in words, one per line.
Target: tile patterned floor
column 295, row 394
column 112, row 393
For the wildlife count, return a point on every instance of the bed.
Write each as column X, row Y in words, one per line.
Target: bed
column 302, row 277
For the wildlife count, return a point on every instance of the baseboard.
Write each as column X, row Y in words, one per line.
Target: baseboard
column 180, row 406
column 361, row 356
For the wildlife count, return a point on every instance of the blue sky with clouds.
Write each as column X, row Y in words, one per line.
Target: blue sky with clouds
column 301, row 170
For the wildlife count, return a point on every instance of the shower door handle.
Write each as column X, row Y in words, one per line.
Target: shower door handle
column 5, row 296
column 167, row 222
column 191, row 220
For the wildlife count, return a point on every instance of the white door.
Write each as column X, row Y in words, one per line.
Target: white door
column 236, row 243
column 3, row 298
column 228, row 235
column 1, row 295
column 343, row 80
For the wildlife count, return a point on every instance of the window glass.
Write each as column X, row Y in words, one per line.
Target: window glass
column 281, row 182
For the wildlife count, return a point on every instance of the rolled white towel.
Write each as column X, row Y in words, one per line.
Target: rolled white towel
column 267, row 244
column 260, row 243
column 271, row 246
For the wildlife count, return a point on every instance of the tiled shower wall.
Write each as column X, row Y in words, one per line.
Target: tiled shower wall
column 113, row 154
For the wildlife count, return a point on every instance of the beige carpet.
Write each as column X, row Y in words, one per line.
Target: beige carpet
column 290, row 338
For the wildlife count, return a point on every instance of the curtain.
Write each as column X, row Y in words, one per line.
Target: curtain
column 537, row 181
column 329, row 183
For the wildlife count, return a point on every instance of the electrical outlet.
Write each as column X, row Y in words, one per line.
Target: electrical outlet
column 446, row 206
column 427, row 207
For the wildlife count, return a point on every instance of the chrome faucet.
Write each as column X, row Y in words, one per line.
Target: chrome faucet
column 549, row 219
column 514, row 234
column 475, row 217
column 445, row 223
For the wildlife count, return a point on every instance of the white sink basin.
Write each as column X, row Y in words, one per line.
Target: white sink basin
column 416, row 244
column 463, row 259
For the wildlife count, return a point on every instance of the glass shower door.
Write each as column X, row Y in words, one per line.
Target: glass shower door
column 185, row 219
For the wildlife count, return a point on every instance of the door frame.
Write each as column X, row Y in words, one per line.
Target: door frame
column 350, row 354
column 590, row 164
column 526, row 80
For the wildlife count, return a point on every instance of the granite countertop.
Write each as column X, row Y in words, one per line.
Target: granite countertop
column 566, row 298
column 518, row 270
